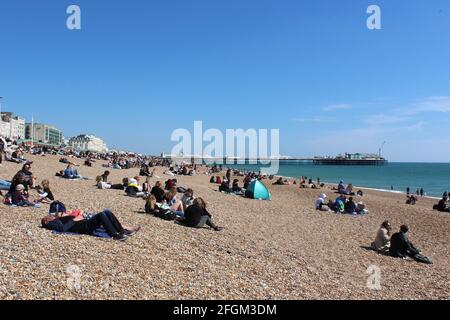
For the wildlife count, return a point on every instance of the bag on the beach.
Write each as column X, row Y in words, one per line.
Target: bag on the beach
column 166, row 215
column 57, row 207
column 181, row 190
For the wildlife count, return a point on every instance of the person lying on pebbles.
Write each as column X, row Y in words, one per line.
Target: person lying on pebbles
column 105, row 219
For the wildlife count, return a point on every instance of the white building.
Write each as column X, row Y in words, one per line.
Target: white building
column 43, row 134
column 86, row 142
column 12, row 127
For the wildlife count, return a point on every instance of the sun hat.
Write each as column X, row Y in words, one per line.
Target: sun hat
column 20, row 187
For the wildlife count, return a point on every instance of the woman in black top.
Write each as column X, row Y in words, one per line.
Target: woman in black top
column 105, row 219
column 196, row 216
column 158, row 192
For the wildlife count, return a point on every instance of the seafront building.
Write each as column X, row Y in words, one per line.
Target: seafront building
column 12, row 127
column 89, row 143
column 43, row 134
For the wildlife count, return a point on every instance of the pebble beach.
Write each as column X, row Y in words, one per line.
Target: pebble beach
column 281, row 249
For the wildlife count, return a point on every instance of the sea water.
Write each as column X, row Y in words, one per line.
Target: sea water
column 434, row 178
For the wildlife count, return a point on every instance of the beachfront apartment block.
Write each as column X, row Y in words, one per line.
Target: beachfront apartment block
column 43, row 134
column 85, row 142
column 12, row 127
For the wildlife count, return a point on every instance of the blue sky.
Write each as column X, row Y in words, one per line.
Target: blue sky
column 140, row 69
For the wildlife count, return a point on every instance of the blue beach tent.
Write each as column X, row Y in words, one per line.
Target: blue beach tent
column 257, row 190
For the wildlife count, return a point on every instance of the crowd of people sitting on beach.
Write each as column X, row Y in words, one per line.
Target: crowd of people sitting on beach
column 161, row 199
column 341, row 205
column 164, row 202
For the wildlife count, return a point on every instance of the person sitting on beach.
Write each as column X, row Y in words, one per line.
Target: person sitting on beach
column 105, row 176
column 401, row 247
column 341, row 188
column 339, row 204
column 442, row 205
column 350, row 206
column 361, row 208
column 197, row 216
column 320, row 203
column 188, row 198
column 45, row 194
column 134, row 189
column 360, row 193
column 145, row 171
column 170, row 198
column 171, row 183
column 29, row 178
column 382, row 242
column 71, row 172
column 147, row 186
column 151, row 206
column 88, row 163
column 218, row 180
column 101, row 184
column 105, row 219
column 311, row 184
column 235, row 187
column 18, row 198
column 19, row 179
column 17, row 156
column 158, row 192
column 279, row 182
column 349, row 190
column 212, row 180
column 303, row 183
column 225, row 187
column 411, row 199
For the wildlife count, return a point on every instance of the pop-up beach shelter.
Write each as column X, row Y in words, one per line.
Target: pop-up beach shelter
column 257, row 190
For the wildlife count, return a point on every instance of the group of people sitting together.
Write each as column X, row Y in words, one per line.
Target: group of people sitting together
column 164, row 202
column 226, row 186
column 181, row 170
column 18, row 190
column 347, row 190
column 341, row 205
column 444, row 203
column 397, row 245
column 11, row 151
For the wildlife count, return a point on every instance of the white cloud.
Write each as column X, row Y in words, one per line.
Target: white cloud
column 431, row 104
column 343, row 106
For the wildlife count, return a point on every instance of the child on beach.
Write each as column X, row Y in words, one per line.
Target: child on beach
column 45, row 194
column 19, row 199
